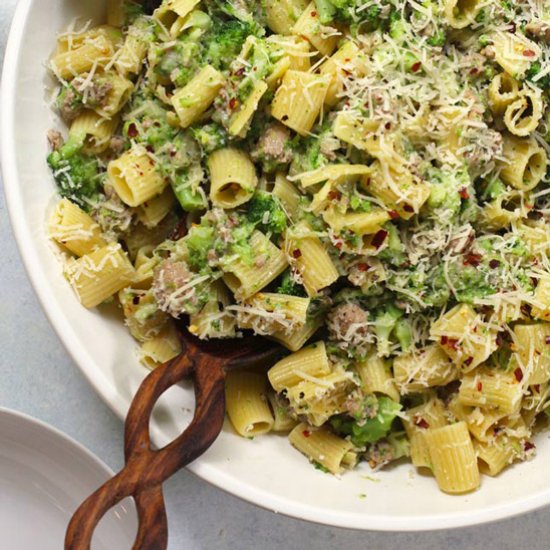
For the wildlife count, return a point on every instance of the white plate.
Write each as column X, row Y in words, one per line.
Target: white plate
column 44, row 476
column 266, row 471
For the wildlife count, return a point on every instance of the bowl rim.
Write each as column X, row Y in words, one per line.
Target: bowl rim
column 108, row 392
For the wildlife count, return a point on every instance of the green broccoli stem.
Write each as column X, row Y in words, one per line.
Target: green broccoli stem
column 403, row 333
column 384, row 324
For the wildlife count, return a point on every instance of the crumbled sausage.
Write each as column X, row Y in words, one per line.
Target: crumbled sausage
column 273, row 144
column 55, row 139
column 539, row 29
column 117, row 145
column 70, row 107
column 347, row 320
column 170, row 276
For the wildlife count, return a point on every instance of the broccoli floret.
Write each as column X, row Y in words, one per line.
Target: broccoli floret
column 77, row 176
column 437, row 39
column 132, row 10
column 382, row 412
column 394, row 253
column 384, row 324
column 448, row 190
column 290, row 287
column 226, row 41
column 199, row 241
column 494, row 189
column 210, row 137
column 533, row 71
column 266, row 212
column 326, row 11
column 151, row 126
column 246, row 11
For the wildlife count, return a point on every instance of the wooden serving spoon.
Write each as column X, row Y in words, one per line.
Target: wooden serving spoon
column 146, row 468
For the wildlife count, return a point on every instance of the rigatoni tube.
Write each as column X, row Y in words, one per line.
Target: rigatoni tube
column 135, row 178
column 196, row 97
column 233, row 177
column 299, row 100
column 453, row 458
column 247, row 406
column 74, row 229
column 97, row 276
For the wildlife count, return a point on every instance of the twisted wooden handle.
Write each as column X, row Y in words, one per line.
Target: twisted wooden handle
column 146, row 469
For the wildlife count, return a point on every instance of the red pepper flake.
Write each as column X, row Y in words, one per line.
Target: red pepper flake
column 479, row 386
column 450, row 342
column 529, row 53
column 393, row 214
column 313, row 14
column 527, row 446
column 472, row 259
column 296, row 253
column 334, row 195
column 421, row 423
column 493, row 264
column 408, row 208
column 416, row 67
column 367, row 181
column 306, row 433
column 339, row 244
column 547, row 340
column 151, row 150
column 363, row 267
column 464, row 193
column 469, row 361
column 387, row 126
column 379, row 238
column 474, row 71
column 518, row 373
column 233, row 103
column 132, row 131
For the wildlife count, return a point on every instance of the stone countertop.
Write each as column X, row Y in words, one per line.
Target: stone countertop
column 40, row 379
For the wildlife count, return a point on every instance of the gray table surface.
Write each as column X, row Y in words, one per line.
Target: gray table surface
column 38, row 377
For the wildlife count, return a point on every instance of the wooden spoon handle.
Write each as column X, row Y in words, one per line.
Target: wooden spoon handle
column 146, row 469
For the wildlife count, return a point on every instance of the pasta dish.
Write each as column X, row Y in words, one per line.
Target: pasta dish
column 364, row 182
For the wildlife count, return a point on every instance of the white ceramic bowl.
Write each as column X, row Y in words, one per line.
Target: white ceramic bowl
column 44, row 476
column 266, row 471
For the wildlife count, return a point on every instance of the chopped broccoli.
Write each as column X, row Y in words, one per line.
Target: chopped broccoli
column 246, row 11
column 186, row 188
column 150, row 126
column 533, row 71
column 77, row 176
column 437, row 39
column 326, row 11
column 403, row 333
column 226, row 41
column 384, row 325
column 494, row 189
column 290, row 287
column 210, row 137
column 394, row 253
column 199, row 241
column 265, row 210
column 132, row 10
column 383, row 411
